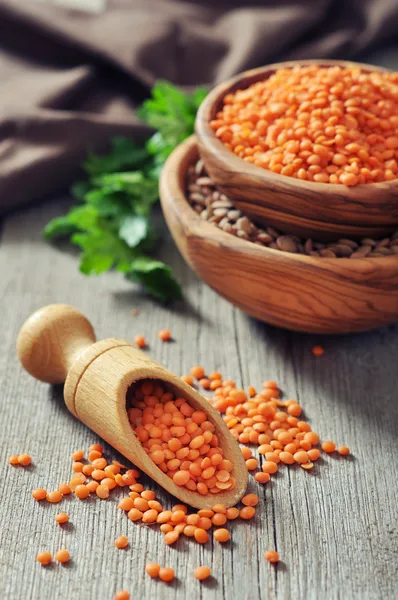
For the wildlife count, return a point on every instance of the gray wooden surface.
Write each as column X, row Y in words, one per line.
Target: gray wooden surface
column 336, row 528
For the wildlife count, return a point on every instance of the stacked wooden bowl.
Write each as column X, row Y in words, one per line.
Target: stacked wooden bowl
column 303, row 293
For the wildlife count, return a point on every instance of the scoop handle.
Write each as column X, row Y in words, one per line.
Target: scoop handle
column 52, row 339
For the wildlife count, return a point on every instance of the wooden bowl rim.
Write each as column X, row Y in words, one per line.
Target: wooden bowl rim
column 214, row 145
column 172, row 183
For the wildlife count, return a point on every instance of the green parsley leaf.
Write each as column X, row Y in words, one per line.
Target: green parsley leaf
column 124, row 155
column 112, row 222
column 156, row 277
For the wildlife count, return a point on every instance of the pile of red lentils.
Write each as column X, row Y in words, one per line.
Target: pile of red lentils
column 180, row 440
column 334, row 124
column 254, row 417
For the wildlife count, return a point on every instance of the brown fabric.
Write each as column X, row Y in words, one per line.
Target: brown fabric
column 70, row 79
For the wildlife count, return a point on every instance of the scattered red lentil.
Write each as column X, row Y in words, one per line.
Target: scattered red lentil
column 78, row 467
column 328, row 446
column 13, row 460
column 198, row 372
column 39, row 494
column 262, row 477
column 96, row 447
column 92, row 486
column 166, row 574
column 153, row 569
column 250, row 500
column 232, row 513
column 202, row 573
column 318, row 350
column 164, row 335
column 102, row 492
column 140, row 341
column 200, row 535
column 62, row 518
column 82, row 491
column 188, row 379
column 272, row 556
column 247, row 512
column 54, row 497
column 44, row 558
column 62, row 556
column 24, row 460
column 204, row 383
column 77, row 455
column 222, row 535
column 314, row 454
column 64, row 489
column 343, row 450
column 122, row 595
column 121, row 542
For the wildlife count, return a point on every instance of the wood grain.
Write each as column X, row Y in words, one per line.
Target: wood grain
column 259, row 192
column 335, row 529
column 58, row 339
column 303, row 293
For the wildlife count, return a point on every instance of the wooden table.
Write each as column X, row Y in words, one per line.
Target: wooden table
column 336, row 528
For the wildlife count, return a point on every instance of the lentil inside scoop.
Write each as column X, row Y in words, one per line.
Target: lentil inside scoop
column 334, row 124
column 217, row 208
column 179, row 439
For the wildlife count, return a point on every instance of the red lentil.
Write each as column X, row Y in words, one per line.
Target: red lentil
column 318, row 350
column 64, row 489
column 102, row 492
column 96, row 447
column 92, row 486
column 62, row 556
column 39, row 494
column 262, row 477
column 202, row 573
column 77, row 455
column 140, row 341
column 328, row 447
column 44, row 558
column 122, row 595
column 166, row 574
column 343, row 450
column 250, row 500
column 197, row 372
column 62, row 518
column 24, row 460
column 272, row 556
column 222, row 535
column 247, row 512
column 54, row 497
column 200, row 535
column 82, row 491
column 164, row 335
column 153, row 569
column 121, row 542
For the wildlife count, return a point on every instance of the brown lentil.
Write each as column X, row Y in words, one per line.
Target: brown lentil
column 206, row 199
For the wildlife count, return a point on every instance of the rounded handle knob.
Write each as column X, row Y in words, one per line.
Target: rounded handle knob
column 51, row 340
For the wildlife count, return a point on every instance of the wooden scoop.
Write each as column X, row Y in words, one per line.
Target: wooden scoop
column 57, row 344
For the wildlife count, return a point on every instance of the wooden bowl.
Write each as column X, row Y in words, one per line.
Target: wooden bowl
column 303, row 293
column 295, row 206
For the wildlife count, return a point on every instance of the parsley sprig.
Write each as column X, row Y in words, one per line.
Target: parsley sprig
column 111, row 222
